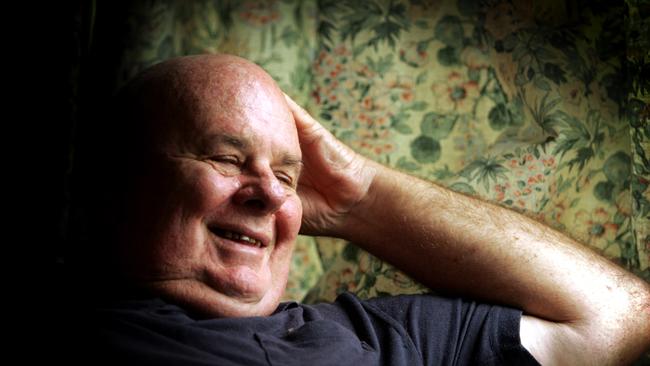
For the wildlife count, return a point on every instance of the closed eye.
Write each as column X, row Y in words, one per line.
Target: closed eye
column 226, row 159
column 284, row 178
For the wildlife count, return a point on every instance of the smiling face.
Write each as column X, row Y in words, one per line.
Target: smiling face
column 214, row 214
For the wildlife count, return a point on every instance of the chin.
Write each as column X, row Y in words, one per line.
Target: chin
column 204, row 301
column 225, row 306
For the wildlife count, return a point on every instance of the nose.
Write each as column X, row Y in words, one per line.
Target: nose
column 261, row 193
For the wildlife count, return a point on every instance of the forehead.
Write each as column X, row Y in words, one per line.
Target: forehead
column 250, row 109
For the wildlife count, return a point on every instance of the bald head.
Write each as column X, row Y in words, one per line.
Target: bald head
column 194, row 79
column 164, row 98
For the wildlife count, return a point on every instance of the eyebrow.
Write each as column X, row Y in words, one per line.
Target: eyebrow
column 293, row 162
column 231, row 140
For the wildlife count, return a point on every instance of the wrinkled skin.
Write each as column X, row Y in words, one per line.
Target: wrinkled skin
column 224, row 156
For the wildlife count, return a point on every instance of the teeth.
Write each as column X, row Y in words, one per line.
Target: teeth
column 236, row 236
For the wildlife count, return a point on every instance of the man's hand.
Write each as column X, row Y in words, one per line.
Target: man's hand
column 334, row 178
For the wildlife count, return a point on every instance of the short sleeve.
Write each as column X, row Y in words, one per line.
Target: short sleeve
column 452, row 331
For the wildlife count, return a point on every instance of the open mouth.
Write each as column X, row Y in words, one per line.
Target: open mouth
column 237, row 237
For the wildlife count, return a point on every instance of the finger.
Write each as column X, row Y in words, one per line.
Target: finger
column 304, row 120
column 310, row 130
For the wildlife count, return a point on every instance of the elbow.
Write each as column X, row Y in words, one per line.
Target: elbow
column 620, row 331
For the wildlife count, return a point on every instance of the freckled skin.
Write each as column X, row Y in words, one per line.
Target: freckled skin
column 191, row 185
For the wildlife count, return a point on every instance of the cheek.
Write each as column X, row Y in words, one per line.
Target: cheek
column 210, row 189
column 198, row 196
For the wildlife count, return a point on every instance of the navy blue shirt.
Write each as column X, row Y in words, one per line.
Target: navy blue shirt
column 399, row 330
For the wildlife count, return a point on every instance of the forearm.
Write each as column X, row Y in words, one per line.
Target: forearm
column 450, row 241
column 460, row 244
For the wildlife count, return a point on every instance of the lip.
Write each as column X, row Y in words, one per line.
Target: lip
column 258, row 235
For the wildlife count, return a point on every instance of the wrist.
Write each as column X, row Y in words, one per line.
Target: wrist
column 353, row 224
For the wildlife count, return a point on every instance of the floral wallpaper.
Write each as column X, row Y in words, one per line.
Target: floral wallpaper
column 521, row 105
column 539, row 106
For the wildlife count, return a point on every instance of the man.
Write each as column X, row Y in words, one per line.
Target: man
column 222, row 171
